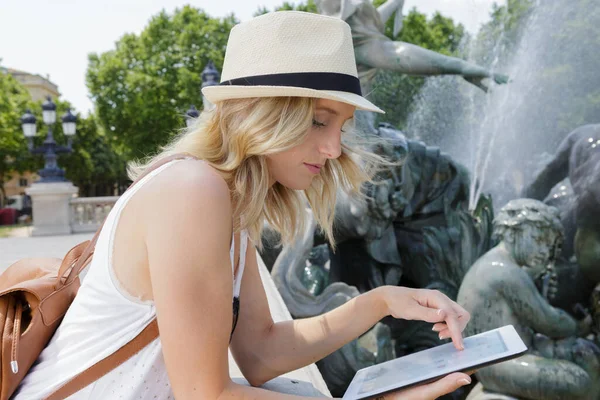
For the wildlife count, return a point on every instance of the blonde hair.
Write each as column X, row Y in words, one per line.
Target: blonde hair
column 234, row 138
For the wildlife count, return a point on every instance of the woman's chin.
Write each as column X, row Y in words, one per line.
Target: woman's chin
column 296, row 184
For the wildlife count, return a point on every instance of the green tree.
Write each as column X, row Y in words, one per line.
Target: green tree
column 503, row 30
column 439, row 33
column 14, row 100
column 95, row 166
column 143, row 87
column 395, row 92
column 308, row 6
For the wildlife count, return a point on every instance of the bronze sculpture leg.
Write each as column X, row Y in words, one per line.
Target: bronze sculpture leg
column 536, row 377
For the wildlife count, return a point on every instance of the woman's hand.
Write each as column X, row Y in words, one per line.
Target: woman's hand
column 433, row 390
column 448, row 317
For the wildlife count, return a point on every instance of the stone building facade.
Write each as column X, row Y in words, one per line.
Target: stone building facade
column 38, row 86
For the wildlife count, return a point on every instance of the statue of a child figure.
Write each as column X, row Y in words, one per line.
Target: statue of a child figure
column 500, row 289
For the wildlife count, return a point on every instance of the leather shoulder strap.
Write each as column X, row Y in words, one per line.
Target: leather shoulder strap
column 106, row 365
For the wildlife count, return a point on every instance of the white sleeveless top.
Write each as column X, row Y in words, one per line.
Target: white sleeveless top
column 103, row 318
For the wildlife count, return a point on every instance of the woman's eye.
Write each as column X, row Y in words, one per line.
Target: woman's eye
column 318, row 124
column 321, row 125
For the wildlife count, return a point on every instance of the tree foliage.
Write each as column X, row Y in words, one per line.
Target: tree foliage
column 309, row 6
column 143, row 87
column 94, row 165
column 14, row 100
column 503, row 30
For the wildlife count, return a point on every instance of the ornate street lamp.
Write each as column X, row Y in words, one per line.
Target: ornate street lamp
column 49, row 111
column 69, row 122
column 191, row 115
column 50, row 150
column 210, row 77
column 28, row 123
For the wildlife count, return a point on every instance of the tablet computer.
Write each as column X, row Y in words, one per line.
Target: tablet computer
column 429, row 365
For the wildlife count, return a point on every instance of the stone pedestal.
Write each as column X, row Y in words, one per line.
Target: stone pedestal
column 51, row 209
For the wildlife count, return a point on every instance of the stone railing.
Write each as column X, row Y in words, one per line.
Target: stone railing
column 87, row 213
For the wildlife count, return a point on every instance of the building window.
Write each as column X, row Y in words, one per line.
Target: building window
column 23, row 182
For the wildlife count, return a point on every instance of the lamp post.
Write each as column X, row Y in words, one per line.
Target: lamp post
column 191, row 115
column 210, row 77
column 51, row 195
column 50, row 149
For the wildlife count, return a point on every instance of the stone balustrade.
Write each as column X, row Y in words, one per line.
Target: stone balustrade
column 87, row 213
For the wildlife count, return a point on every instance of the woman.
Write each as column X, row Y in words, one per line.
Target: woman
column 173, row 244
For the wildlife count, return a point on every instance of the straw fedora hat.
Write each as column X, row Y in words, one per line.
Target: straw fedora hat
column 290, row 53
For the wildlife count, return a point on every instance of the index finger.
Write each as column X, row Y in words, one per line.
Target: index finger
column 454, row 328
column 451, row 318
column 462, row 315
column 436, row 299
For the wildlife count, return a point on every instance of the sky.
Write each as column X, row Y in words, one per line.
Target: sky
column 53, row 38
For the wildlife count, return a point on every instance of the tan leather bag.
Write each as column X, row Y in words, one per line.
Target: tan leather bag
column 35, row 294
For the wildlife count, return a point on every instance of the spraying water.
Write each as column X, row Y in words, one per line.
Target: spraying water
column 505, row 135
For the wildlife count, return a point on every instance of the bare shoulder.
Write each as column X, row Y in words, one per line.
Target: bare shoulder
column 186, row 220
column 193, row 177
column 187, row 198
column 189, row 184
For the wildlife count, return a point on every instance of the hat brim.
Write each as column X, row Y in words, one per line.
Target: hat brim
column 215, row 94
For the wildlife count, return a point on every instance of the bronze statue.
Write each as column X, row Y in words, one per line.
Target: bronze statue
column 500, row 289
column 375, row 51
column 578, row 159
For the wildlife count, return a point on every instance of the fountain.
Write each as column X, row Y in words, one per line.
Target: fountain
column 510, row 132
column 430, row 218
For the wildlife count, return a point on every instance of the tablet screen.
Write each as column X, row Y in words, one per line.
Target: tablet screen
column 427, row 364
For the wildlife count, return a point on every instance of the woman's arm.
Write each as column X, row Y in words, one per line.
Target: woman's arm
column 264, row 350
column 188, row 257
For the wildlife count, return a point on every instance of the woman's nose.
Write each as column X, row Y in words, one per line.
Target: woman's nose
column 331, row 144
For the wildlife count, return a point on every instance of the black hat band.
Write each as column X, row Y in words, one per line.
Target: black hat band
column 310, row 80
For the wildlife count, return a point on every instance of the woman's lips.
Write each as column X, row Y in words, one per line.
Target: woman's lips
column 314, row 168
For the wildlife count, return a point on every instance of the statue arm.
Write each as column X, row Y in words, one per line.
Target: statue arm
column 388, row 8
column 410, row 59
column 554, row 172
column 532, row 309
